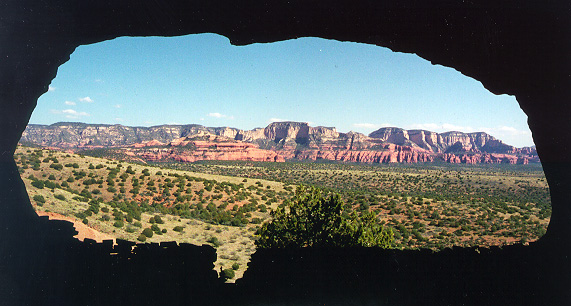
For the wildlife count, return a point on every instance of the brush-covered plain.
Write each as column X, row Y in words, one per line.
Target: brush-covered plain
column 223, row 203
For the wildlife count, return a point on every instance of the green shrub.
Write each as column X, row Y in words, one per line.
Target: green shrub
column 155, row 228
column 159, row 220
column 142, row 238
column 38, row 184
column 256, row 221
column 235, row 266
column 228, row 274
column 86, row 193
column 60, row 197
column 314, row 219
column 214, row 241
column 118, row 224
column 148, row 232
column 39, row 199
column 117, row 215
column 50, row 185
column 56, row 166
column 178, row 228
column 80, row 199
column 85, row 221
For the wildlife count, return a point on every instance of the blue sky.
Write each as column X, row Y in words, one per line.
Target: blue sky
column 203, row 79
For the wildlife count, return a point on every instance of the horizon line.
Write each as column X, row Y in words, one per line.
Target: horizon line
column 302, row 122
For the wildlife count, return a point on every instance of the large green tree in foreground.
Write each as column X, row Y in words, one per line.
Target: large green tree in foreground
column 313, row 218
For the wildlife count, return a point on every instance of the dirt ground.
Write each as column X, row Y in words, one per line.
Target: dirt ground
column 83, row 230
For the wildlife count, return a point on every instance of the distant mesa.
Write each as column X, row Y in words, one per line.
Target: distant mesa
column 277, row 142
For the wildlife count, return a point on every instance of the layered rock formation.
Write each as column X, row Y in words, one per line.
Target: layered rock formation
column 391, row 153
column 449, row 142
column 227, row 152
column 280, row 141
column 201, row 146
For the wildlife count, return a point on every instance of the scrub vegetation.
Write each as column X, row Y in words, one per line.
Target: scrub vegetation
column 232, row 205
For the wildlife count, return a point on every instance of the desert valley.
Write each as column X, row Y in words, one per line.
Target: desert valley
column 196, row 184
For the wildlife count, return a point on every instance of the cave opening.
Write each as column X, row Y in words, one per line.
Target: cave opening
column 496, row 44
column 151, row 101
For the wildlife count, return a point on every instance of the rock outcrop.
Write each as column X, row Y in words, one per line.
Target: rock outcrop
column 210, row 147
column 449, row 142
column 281, row 141
column 486, row 158
column 391, row 153
column 297, row 132
column 221, row 153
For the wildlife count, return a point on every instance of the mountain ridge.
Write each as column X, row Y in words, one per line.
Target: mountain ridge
column 289, row 140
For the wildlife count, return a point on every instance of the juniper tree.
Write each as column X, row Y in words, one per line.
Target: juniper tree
column 313, row 218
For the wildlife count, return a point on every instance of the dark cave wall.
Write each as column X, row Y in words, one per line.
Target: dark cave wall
column 515, row 47
column 520, row 48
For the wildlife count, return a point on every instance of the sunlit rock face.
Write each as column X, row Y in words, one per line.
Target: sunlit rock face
column 449, row 142
column 287, row 132
column 281, row 141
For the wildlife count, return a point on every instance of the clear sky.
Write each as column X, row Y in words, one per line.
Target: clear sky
column 203, row 79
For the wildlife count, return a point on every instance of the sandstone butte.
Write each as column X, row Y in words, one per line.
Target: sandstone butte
column 206, row 150
column 278, row 142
